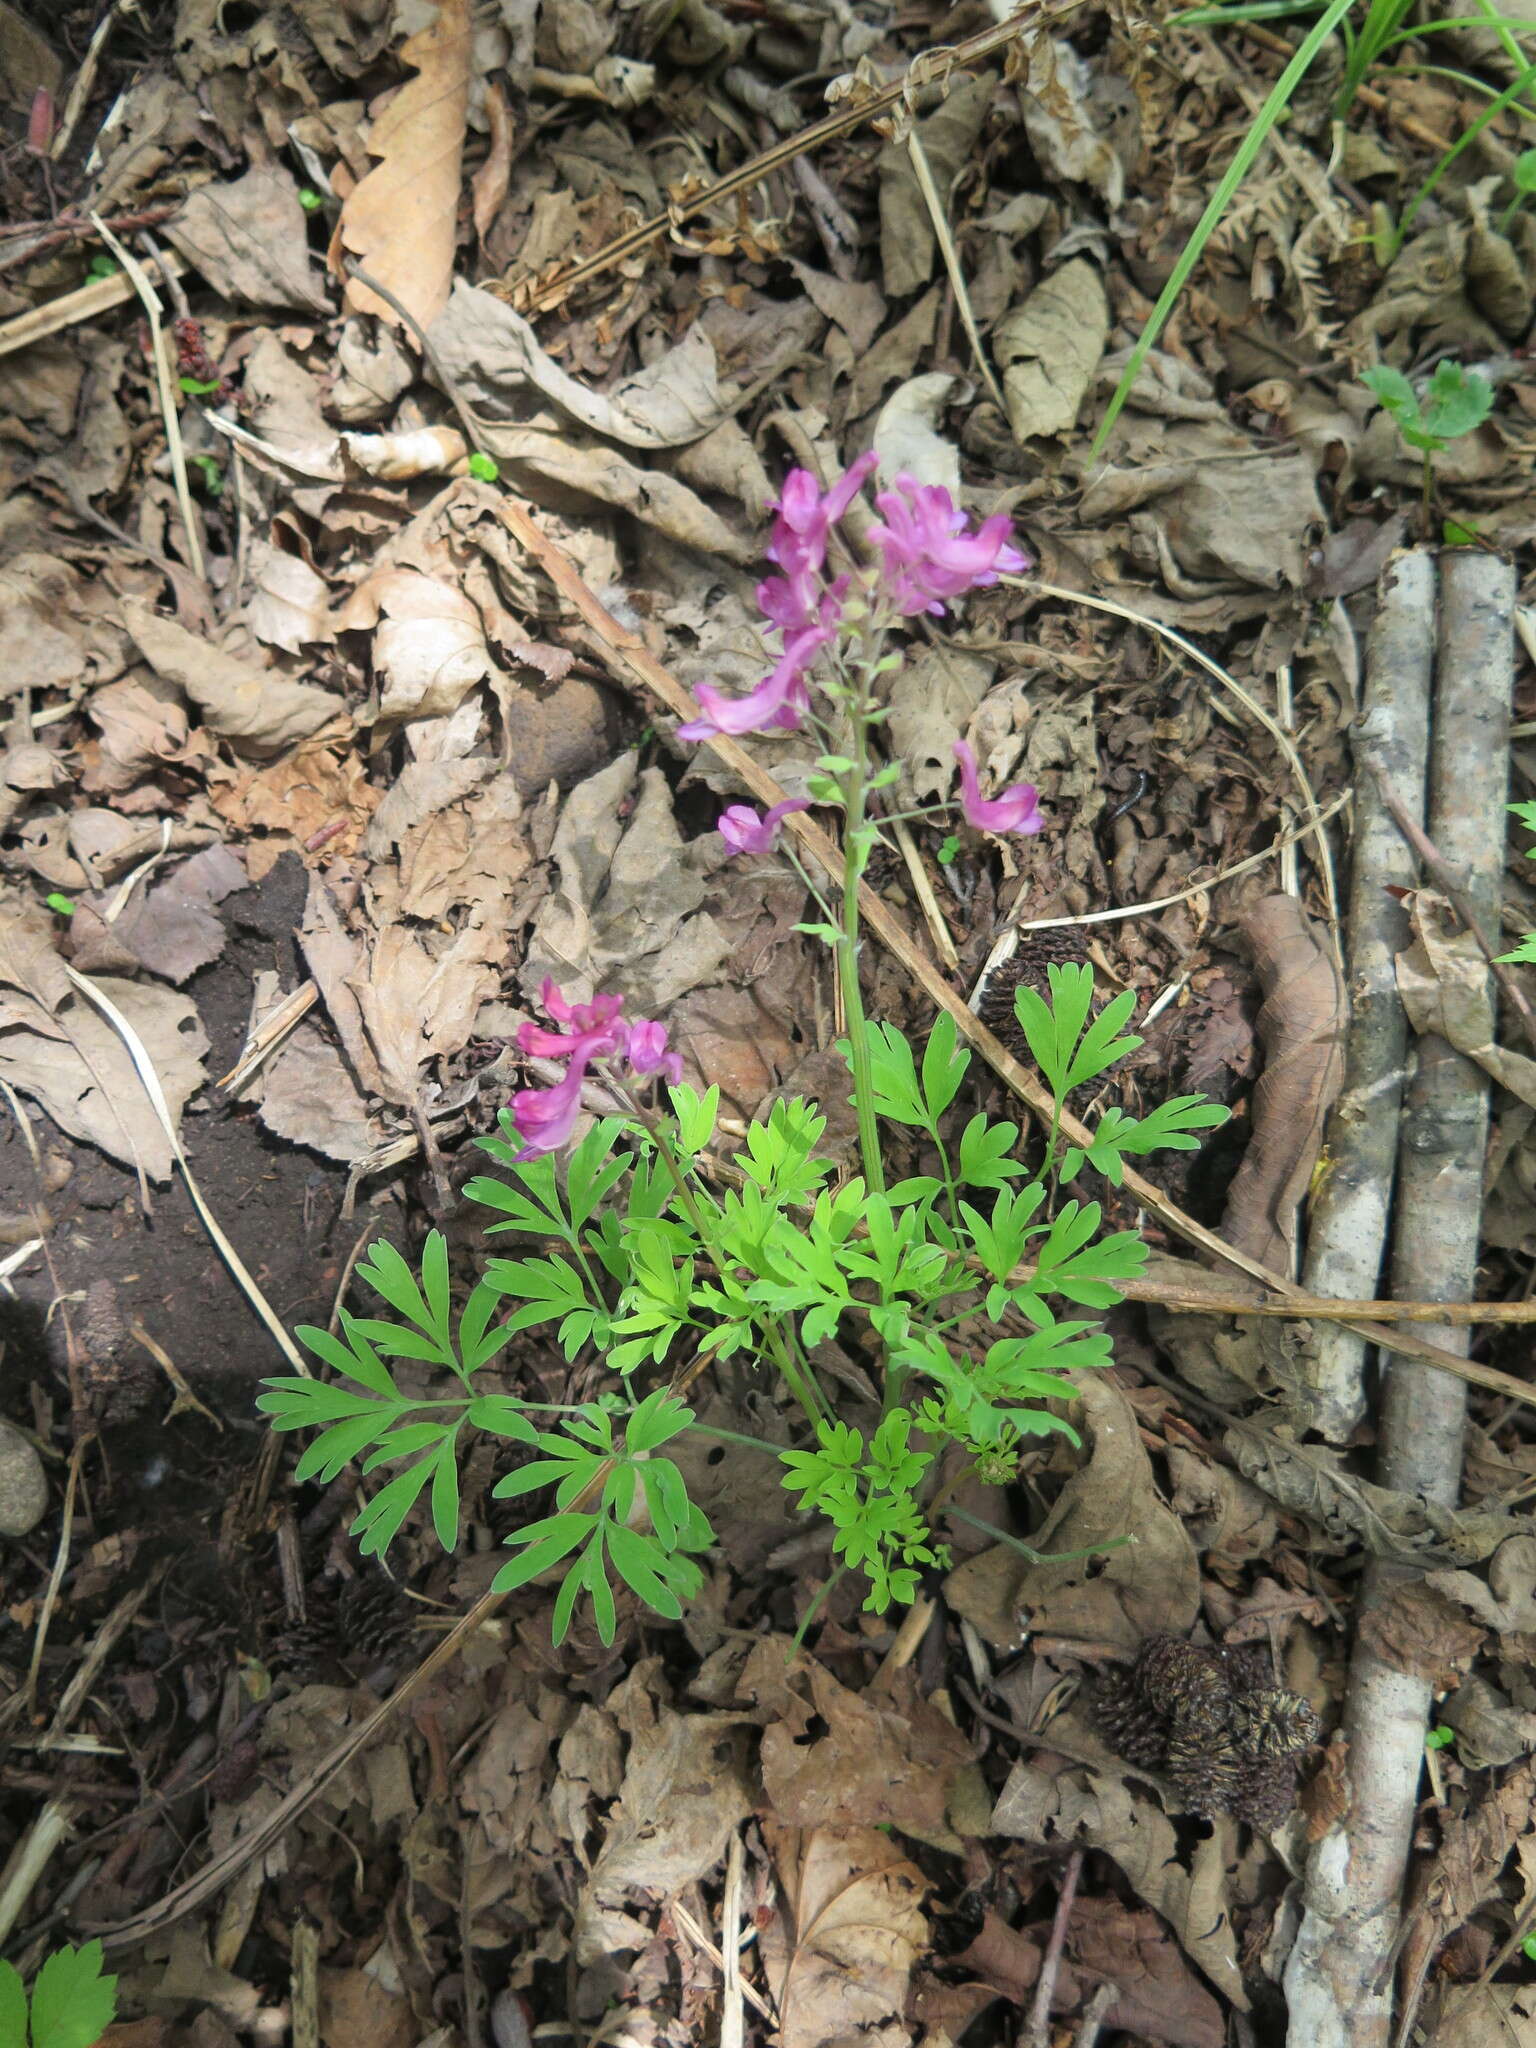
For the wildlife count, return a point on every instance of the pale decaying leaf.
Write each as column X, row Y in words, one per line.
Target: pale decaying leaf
column 1071, row 119
column 1047, row 350
column 1116, row 1596
column 947, row 137
column 685, row 1791
column 1444, row 983
column 886, row 1757
column 247, row 239
column 170, row 929
column 1083, row 1808
column 139, row 733
column 493, row 354
column 428, row 646
column 625, row 917
column 400, row 221
column 255, row 708
column 564, row 471
column 840, row 1959
column 932, row 698
column 907, row 438
column 58, row 1049
column 290, row 602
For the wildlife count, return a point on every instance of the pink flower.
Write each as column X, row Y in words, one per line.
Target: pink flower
column 798, row 544
column 1016, row 810
column 546, row 1117
column 646, row 1051
column 929, row 557
column 779, row 699
column 744, row 831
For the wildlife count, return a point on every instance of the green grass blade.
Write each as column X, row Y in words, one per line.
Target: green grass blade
column 1279, row 99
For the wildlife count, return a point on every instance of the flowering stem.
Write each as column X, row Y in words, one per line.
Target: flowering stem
column 855, row 853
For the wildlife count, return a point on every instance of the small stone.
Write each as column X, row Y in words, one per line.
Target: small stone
column 23, row 1484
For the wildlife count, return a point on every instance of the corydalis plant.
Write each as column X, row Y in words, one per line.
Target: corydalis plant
column 653, row 1257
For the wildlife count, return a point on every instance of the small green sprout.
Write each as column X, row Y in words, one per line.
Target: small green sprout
column 60, row 904
column 1455, row 403
column 948, row 849
column 100, row 267
column 310, row 199
column 1440, row 1738
column 198, row 387
column 1528, row 1948
column 1522, row 175
column 212, row 474
column 484, row 467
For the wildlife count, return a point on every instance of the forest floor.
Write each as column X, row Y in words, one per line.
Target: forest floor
column 308, row 702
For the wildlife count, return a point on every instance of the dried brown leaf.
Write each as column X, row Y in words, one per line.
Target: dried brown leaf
column 400, row 222
column 841, row 1958
column 1300, row 1026
column 1418, row 1631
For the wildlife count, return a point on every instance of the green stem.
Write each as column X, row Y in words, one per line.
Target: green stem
column 859, row 1059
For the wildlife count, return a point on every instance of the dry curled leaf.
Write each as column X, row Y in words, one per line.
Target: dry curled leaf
column 1299, row 1026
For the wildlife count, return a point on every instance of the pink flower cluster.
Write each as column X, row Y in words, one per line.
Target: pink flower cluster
column 546, row 1117
column 927, row 560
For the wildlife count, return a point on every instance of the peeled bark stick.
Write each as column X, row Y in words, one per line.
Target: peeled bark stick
column 1347, row 1225
column 1339, row 1977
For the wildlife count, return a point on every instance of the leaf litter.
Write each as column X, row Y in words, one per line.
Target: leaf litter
column 376, row 761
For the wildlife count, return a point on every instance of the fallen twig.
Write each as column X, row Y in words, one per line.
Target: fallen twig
column 1339, row 1976
column 1347, row 1223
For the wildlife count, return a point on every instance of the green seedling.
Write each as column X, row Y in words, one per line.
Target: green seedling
column 71, row 2006
column 485, row 467
column 1455, row 402
column 198, row 387
column 310, row 199
column 100, row 267
column 211, row 473
column 60, row 904
column 1440, row 1738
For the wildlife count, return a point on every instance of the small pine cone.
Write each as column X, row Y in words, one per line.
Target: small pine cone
column 1207, row 1776
column 1266, row 1791
column 1249, row 1667
column 1132, row 1728
column 1027, row 967
column 1272, row 1723
column 305, row 1650
column 377, row 1620
column 1184, row 1681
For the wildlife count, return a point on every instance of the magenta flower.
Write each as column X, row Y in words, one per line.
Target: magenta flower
column 779, row 699
column 745, row 831
column 798, row 544
column 1016, row 810
column 929, row 558
column 646, row 1051
column 546, row 1117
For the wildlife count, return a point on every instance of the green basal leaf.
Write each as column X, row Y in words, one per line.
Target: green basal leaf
column 1169, row 1127
column 1456, row 401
